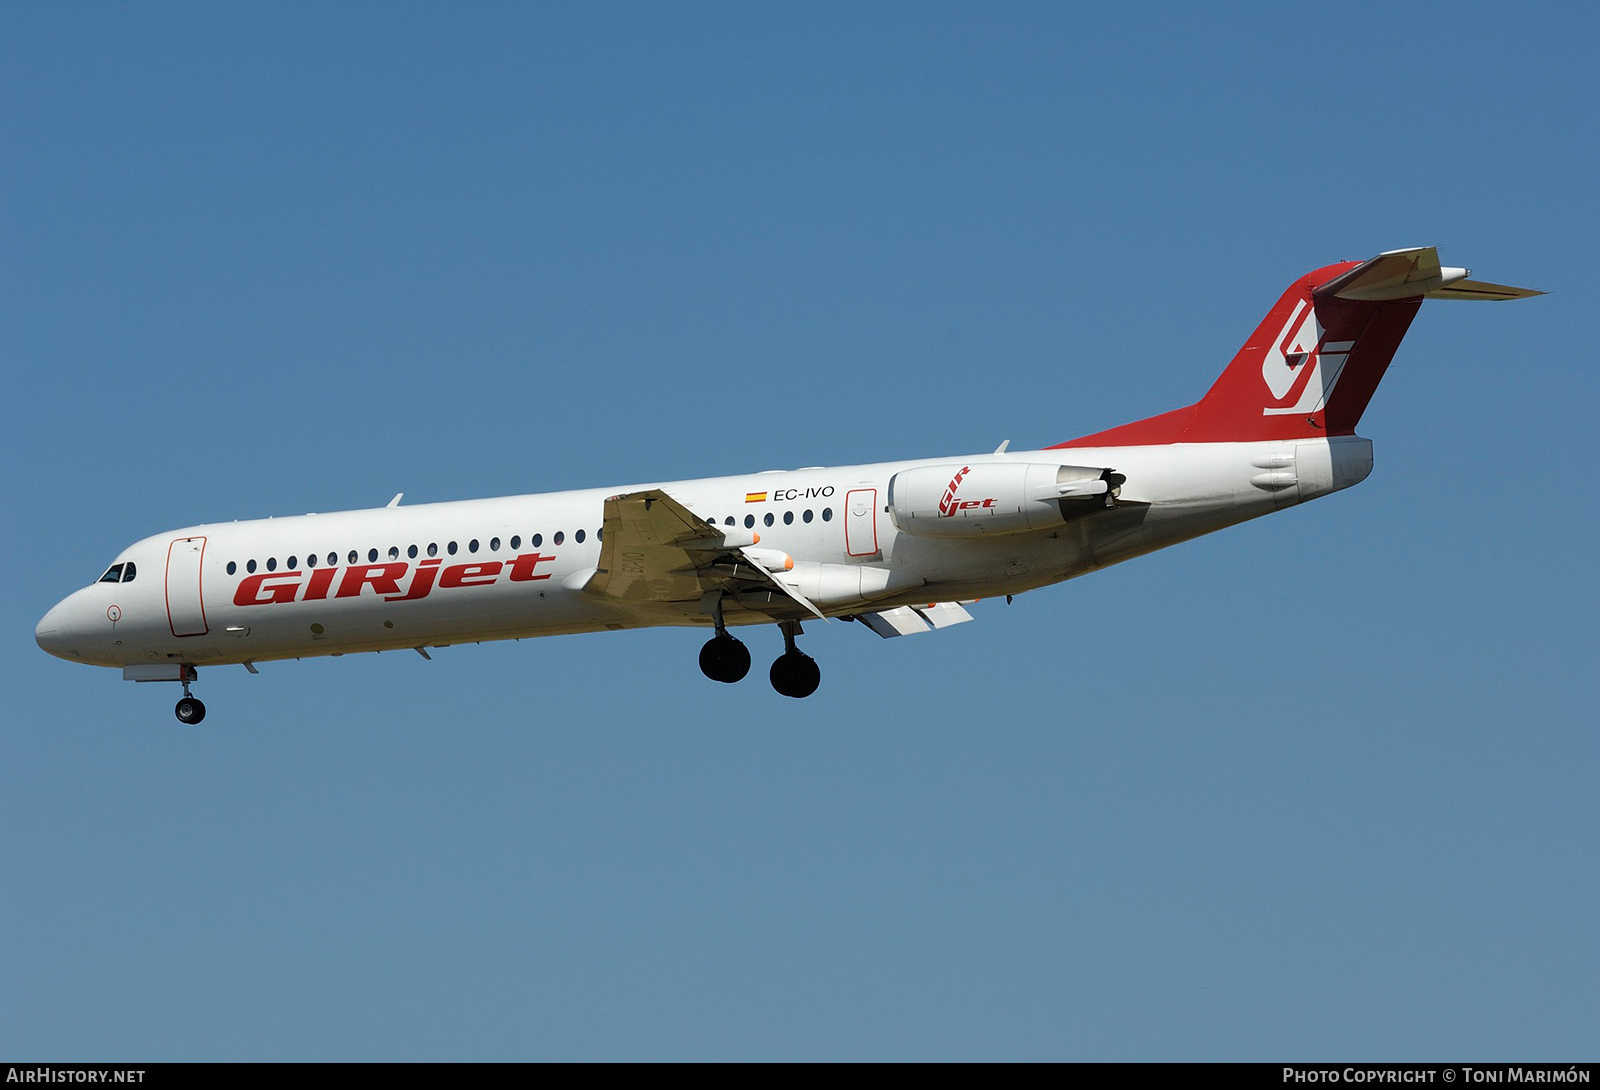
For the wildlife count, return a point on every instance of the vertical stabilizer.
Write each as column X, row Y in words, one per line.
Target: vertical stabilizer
column 1312, row 365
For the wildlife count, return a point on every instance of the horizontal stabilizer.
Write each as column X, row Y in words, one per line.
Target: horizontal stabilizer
column 1477, row 289
column 1413, row 274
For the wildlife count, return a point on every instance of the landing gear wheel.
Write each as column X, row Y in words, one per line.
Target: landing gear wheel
column 724, row 659
column 796, row 674
column 190, row 710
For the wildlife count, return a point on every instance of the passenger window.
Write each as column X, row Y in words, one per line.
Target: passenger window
column 272, row 563
column 536, row 540
column 311, row 560
column 290, row 564
column 561, row 535
column 451, row 548
column 412, row 552
column 232, row 567
column 494, row 544
column 749, row 521
column 788, row 518
column 728, row 521
column 827, row 514
column 472, row 546
column 333, row 559
column 516, row 542
column 806, row 517
column 578, row 537
column 250, row 566
column 372, row 556
column 767, row 519
column 113, row 574
column 433, row 548
column 394, row 552
column 128, row 572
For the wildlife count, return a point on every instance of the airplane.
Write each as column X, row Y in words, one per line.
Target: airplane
column 899, row 547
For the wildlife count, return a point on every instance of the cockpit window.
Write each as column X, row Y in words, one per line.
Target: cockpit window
column 113, row 574
column 128, row 572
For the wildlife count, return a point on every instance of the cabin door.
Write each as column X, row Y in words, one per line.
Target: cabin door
column 186, row 613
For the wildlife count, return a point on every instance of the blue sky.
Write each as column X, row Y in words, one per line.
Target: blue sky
column 1320, row 786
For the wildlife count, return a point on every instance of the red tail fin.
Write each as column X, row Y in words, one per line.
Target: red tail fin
column 1313, row 363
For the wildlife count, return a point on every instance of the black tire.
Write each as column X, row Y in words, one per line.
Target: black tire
column 190, row 711
column 795, row 674
column 724, row 659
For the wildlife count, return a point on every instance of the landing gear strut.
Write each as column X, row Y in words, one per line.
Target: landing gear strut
column 189, row 710
column 724, row 658
column 794, row 673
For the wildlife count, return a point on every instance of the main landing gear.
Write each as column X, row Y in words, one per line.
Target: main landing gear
column 794, row 673
column 726, row 659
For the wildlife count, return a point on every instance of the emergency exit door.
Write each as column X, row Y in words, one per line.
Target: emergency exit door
column 861, row 521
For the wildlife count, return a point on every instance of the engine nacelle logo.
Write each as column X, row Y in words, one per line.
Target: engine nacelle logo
column 949, row 505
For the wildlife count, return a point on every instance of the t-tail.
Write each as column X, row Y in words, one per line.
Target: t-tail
column 1313, row 363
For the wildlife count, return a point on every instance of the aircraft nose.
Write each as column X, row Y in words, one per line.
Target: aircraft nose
column 55, row 633
column 47, row 633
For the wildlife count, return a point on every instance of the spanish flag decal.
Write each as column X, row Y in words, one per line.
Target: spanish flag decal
column 755, row 497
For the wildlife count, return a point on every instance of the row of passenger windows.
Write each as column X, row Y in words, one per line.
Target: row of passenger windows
column 119, row 573
column 431, row 549
column 451, row 548
column 769, row 518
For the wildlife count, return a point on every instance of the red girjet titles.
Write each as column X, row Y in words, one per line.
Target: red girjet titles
column 268, row 588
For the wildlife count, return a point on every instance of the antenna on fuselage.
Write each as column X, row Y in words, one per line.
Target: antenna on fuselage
column 396, row 501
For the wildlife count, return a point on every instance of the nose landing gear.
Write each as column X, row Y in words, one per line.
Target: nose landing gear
column 189, row 710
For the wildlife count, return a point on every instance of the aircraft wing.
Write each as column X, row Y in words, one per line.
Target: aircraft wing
column 654, row 549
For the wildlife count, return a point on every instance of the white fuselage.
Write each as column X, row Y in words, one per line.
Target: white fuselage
column 435, row 574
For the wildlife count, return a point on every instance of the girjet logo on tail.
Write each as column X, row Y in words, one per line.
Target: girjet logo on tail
column 1300, row 368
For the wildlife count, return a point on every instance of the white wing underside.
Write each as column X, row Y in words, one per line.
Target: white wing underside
column 911, row 620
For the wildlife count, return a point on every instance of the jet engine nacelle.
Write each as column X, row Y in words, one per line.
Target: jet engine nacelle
column 964, row 500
